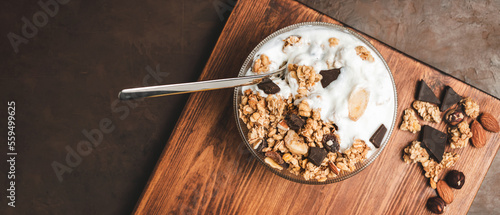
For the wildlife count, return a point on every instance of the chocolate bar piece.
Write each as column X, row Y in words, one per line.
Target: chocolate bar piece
column 450, row 98
column 317, row 155
column 434, row 141
column 329, row 76
column 425, row 94
column 268, row 86
column 294, row 122
column 378, row 136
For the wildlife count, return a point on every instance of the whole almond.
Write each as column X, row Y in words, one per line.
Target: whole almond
column 333, row 168
column 489, row 122
column 478, row 138
column 445, row 191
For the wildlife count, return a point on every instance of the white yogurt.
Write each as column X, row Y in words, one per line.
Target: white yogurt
column 314, row 50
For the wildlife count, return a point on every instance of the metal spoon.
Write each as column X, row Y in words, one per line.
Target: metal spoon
column 173, row 89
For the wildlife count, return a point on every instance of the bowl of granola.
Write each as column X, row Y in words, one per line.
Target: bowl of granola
column 329, row 116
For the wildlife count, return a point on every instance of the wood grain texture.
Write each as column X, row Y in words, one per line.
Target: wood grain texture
column 205, row 168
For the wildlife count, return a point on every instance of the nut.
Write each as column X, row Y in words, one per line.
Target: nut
column 275, row 156
column 272, row 163
column 295, row 144
column 436, row 205
column 445, row 192
column 333, row 168
column 489, row 122
column 454, row 116
column 478, row 135
column 455, row 179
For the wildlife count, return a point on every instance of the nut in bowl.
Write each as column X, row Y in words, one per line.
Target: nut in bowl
column 331, row 114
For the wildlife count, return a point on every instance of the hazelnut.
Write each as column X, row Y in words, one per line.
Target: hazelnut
column 436, row 205
column 455, row 179
column 454, row 116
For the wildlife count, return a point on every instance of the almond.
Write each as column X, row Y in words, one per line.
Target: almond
column 333, row 168
column 358, row 100
column 489, row 122
column 445, row 192
column 478, row 135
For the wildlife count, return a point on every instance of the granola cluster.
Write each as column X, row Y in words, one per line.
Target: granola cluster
column 433, row 169
column 415, row 153
column 261, row 65
column 364, row 54
column 333, row 41
column 429, row 112
column 305, row 76
column 459, row 135
column 290, row 41
column 356, row 153
column 410, row 122
column 471, row 107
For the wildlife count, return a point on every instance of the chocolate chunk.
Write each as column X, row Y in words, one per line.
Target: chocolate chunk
column 275, row 156
column 329, row 76
column 425, row 94
column 294, row 122
column 434, row 141
column 331, row 143
column 268, row 86
column 378, row 136
column 317, row 155
column 450, row 98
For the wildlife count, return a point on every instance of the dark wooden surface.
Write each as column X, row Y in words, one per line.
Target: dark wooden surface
column 205, row 168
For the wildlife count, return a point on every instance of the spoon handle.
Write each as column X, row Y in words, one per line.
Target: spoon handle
column 173, row 89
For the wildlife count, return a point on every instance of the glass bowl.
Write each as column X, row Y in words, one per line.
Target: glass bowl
column 285, row 173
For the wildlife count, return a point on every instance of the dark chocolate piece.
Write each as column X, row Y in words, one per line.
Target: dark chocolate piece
column 425, row 94
column 294, row 122
column 334, row 147
column 378, row 136
column 268, row 86
column 329, row 76
column 450, row 98
column 317, row 155
column 434, row 141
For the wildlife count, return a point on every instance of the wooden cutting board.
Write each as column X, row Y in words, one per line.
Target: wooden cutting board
column 205, row 168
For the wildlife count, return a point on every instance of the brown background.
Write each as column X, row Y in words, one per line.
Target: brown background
column 67, row 76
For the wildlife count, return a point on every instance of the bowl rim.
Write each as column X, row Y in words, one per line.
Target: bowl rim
column 359, row 166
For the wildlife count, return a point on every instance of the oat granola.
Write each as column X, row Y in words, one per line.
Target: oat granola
column 471, row 107
column 459, row 135
column 306, row 77
column 333, row 41
column 261, row 65
column 415, row 153
column 268, row 131
column 364, row 54
column 429, row 112
column 410, row 122
column 290, row 41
